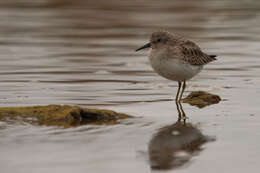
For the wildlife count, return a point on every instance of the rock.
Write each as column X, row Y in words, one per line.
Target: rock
column 201, row 99
column 57, row 115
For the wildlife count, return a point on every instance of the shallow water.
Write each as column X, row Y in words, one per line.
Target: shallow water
column 82, row 53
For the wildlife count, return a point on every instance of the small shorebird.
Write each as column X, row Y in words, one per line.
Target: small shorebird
column 176, row 58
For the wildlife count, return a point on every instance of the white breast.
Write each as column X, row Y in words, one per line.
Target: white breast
column 173, row 68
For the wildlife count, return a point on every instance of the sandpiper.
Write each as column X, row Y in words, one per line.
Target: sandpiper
column 176, row 58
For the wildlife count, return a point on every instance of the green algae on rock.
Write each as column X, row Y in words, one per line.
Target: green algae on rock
column 201, row 99
column 57, row 115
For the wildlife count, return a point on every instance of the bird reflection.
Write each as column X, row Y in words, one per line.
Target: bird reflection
column 174, row 145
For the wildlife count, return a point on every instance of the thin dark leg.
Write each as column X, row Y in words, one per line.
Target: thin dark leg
column 178, row 92
column 179, row 111
column 183, row 115
column 177, row 102
column 183, row 88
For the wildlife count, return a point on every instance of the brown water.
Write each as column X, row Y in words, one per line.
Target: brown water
column 82, row 53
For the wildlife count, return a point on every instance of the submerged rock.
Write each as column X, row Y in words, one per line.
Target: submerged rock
column 56, row 115
column 201, row 99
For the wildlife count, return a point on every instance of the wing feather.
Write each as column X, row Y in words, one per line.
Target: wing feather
column 193, row 54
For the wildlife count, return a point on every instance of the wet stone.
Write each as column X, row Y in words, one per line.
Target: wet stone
column 201, row 99
column 57, row 115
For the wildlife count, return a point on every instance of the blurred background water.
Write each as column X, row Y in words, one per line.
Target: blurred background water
column 82, row 53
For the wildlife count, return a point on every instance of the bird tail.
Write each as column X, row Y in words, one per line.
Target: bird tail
column 213, row 57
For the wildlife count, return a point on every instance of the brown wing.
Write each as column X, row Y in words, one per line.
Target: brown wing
column 193, row 55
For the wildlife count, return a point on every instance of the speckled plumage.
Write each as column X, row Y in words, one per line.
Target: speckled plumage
column 192, row 54
column 179, row 47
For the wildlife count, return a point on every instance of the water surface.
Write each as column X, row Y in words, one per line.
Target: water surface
column 82, row 53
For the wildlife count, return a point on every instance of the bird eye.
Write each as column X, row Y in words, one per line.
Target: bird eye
column 159, row 40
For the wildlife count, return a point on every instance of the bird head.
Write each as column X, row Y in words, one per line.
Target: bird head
column 157, row 40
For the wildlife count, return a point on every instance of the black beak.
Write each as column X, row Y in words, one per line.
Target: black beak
column 143, row 47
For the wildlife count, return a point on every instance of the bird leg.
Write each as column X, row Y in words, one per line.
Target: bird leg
column 182, row 91
column 178, row 92
column 177, row 102
column 181, row 113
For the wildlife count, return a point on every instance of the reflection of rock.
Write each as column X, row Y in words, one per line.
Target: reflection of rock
column 201, row 99
column 174, row 145
column 56, row 115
